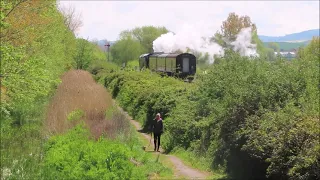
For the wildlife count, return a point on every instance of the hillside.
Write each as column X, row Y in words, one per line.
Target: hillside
column 298, row 37
column 286, row 46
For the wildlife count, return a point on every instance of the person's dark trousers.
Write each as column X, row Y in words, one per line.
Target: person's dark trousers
column 156, row 138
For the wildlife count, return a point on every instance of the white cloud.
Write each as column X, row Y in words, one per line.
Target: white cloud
column 106, row 19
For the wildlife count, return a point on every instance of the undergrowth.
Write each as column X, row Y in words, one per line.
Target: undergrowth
column 75, row 155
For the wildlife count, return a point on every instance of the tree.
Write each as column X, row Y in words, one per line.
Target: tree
column 144, row 35
column 133, row 43
column 126, row 49
column 35, row 49
column 232, row 26
column 270, row 54
column 147, row 34
column 83, row 54
column 6, row 9
column 71, row 19
column 313, row 48
column 25, row 21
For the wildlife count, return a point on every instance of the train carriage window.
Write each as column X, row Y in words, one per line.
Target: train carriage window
column 152, row 63
column 160, row 65
column 185, row 65
column 168, row 65
column 163, row 64
column 173, row 63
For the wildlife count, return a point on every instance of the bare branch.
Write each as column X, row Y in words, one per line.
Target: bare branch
column 71, row 19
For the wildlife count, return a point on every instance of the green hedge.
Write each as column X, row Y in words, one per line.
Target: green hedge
column 142, row 94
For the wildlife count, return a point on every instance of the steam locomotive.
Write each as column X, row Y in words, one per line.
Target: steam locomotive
column 180, row 65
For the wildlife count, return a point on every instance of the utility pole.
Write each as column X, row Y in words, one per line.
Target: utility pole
column 108, row 45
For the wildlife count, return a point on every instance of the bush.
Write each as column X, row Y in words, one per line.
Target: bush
column 74, row 155
column 143, row 94
column 250, row 100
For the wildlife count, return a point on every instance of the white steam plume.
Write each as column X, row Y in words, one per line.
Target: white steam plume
column 243, row 43
column 198, row 39
column 188, row 37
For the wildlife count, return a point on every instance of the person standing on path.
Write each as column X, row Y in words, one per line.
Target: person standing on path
column 157, row 128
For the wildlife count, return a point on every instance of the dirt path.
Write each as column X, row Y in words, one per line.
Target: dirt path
column 180, row 169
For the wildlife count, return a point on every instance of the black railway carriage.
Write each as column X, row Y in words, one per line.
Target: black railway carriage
column 181, row 65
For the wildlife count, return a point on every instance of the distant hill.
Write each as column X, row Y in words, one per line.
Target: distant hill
column 295, row 37
column 286, row 46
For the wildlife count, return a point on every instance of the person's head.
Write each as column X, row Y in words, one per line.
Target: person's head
column 158, row 116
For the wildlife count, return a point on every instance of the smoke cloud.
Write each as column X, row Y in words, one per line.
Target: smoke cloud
column 198, row 40
column 243, row 43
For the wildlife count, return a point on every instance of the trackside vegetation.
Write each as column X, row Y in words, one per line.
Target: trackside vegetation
column 37, row 47
column 250, row 117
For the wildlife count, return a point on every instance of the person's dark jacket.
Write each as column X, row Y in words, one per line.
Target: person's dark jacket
column 157, row 126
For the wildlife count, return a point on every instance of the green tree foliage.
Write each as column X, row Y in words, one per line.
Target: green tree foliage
column 126, row 49
column 247, row 95
column 271, row 49
column 36, row 48
column 146, row 35
column 270, row 54
column 133, row 43
column 86, row 52
column 33, row 53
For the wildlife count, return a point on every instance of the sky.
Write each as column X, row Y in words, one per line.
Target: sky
column 106, row 19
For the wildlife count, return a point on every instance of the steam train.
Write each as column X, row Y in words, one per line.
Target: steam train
column 180, row 65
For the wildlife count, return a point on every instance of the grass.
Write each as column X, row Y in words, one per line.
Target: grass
column 21, row 152
column 154, row 158
column 159, row 158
